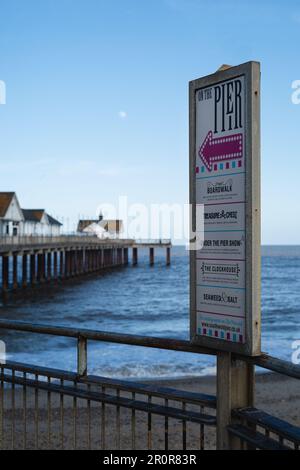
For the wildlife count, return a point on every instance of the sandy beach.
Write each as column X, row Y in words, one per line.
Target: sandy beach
column 275, row 394
column 279, row 396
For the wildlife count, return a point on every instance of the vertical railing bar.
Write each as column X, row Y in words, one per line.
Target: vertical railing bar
column 103, row 423
column 75, row 419
column 133, row 424
column 241, row 441
column 62, row 415
column 1, row 409
column 267, row 433
column 36, row 414
column 118, row 423
column 183, row 428
column 202, row 430
column 49, row 414
column 166, row 427
column 253, row 427
column 89, row 418
column 149, row 425
column 24, row 411
column 13, row 410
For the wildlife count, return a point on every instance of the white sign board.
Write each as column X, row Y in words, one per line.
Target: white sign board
column 225, row 180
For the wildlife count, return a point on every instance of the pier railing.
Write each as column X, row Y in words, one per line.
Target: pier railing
column 153, row 241
column 67, row 409
column 35, row 240
column 61, row 240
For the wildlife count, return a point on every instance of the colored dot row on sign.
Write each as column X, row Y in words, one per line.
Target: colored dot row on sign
column 222, row 166
column 222, row 335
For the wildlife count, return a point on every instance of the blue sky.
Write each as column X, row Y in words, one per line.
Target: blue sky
column 97, row 99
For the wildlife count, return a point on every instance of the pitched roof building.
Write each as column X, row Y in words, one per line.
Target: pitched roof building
column 103, row 227
column 38, row 222
column 11, row 215
column 112, row 226
column 85, row 223
column 38, row 215
column 33, row 215
column 16, row 221
column 5, row 201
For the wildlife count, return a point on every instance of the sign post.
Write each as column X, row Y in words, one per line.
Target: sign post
column 225, row 182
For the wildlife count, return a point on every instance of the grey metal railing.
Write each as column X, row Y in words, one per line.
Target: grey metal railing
column 65, row 410
column 49, row 408
column 260, row 430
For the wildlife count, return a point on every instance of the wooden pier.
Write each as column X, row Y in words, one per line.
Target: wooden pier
column 31, row 261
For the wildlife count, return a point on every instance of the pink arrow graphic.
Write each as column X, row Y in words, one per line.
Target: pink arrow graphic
column 220, row 149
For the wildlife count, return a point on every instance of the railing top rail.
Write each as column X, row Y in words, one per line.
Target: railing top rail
column 104, row 336
column 256, row 439
column 265, row 361
column 270, row 423
column 154, row 241
column 125, row 385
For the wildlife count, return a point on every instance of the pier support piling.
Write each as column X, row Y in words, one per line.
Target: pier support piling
column 168, row 256
column 74, row 264
column 88, row 261
column 55, row 265
column 5, row 270
column 15, row 271
column 49, row 266
column 32, row 269
column 125, row 256
column 43, row 273
column 40, row 267
column 151, row 256
column 119, row 256
column 134, row 256
column 61, row 264
column 68, row 264
column 24, row 271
